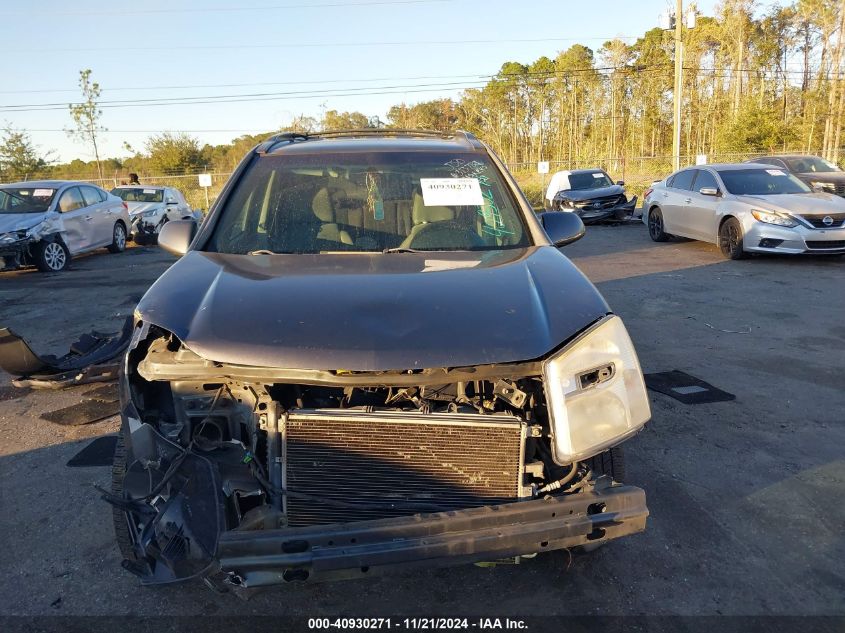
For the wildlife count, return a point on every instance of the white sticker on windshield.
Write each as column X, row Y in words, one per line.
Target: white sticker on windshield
column 598, row 175
column 775, row 172
column 449, row 192
column 42, row 193
column 150, row 191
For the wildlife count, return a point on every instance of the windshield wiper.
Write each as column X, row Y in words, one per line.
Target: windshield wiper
column 403, row 249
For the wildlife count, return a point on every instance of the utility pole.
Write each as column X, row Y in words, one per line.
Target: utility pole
column 679, row 85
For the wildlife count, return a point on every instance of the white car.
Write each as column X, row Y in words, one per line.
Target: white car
column 151, row 207
column 745, row 208
column 46, row 222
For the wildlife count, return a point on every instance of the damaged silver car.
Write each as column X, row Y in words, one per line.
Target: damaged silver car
column 45, row 223
column 371, row 356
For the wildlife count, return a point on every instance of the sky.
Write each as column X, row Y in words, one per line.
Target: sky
column 321, row 54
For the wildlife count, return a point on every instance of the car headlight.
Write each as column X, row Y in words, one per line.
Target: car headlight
column 595, row 392
column 824, row 185
column 564, row 203
column 151, row 213
column 11, row 238
column 772, row 217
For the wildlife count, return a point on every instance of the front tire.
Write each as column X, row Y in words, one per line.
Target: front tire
column 51, row 257
column 118, row 243
column 655, row 226
column 730, row 239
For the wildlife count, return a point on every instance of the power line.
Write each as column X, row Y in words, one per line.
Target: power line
column 324, row 45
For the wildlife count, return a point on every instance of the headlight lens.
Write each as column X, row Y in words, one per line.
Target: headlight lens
column 11, row 238
column 595, row 392
column 824, row 185
column 770, row 217
column 151, row 213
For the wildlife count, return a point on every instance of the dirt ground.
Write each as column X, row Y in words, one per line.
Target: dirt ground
column 747, row 498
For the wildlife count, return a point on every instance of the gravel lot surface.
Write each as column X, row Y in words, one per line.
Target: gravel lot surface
column 747, row 498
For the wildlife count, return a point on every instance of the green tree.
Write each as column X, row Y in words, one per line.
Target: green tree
column 334, row 120
column 19, row 158
column 86, row 115
column 171, row 153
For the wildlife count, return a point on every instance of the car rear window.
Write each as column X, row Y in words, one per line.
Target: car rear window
column 369, row 202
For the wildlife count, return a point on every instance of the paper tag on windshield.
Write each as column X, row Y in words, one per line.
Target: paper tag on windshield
column 42, row 193
column 775, row 172
column 598, row 175
column 150, row 191
column 451, row 192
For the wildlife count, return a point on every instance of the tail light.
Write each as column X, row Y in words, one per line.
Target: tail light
column 125, row 206
column 648, row 192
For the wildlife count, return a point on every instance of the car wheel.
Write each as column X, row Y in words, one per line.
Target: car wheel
column 118, row 242
column 655, row 226
column 730, row 239
column 119, row 517
column 51, row 257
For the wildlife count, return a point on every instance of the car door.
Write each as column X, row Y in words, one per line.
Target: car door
column 78, row 232
column 102, row 222
column 674, row 203
column 174, row 204
column 701, row 210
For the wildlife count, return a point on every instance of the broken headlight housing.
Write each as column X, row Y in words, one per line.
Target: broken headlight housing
column 595, row 392
column 11, row 238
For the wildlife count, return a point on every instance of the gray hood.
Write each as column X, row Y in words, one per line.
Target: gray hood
column 136, row 208
column 10, row 222
column 816, row 203
column 372, row 312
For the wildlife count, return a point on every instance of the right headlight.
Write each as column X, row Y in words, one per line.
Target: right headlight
column 595, row 392
column 773, row 217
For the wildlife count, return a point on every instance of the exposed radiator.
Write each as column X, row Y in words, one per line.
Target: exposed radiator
column 450, row 461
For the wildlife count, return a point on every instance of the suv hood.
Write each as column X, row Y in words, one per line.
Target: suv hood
column 799, row 203
column 823, row 176
column 372, row 312
column 10, row 222
column 590, row 194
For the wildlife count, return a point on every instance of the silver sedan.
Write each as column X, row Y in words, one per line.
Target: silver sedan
column 44, row 223
column 745, row 208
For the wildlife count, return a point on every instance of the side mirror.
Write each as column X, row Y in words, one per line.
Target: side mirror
column 708, row 191
column 176, row 236
column 562, row 227
column 621, row 183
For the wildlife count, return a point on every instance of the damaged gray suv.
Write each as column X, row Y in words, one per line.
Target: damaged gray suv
column 372, row 355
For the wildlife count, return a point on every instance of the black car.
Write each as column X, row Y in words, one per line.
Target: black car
column 817, row 172
column 372, row 355
column 591, row 194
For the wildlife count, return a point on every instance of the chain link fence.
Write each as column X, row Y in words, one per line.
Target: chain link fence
column 637, row 172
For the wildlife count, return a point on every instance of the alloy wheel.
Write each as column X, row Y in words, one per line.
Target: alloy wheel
column 54, row 256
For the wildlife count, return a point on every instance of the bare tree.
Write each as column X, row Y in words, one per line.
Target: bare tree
column 86, row 115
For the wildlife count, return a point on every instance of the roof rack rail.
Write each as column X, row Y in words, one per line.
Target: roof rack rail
column 292, row 137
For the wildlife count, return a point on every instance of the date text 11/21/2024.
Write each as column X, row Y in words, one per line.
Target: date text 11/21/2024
column 418, row 623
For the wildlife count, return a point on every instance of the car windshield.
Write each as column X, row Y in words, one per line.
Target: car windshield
column 761, row 182
column 589, row 180
column 369, row 202
column 26, row 199
column 137, row 194
column 810, row 164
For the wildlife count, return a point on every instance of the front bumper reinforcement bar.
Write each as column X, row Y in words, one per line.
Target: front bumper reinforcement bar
column 349, row 550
